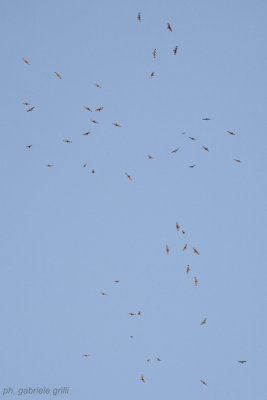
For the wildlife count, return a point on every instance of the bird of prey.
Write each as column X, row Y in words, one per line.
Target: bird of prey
column 99, row 109
column 204, row 321
column 187, row 269
column 142, row 379
column 175, row 150
column 158, row 359
column 115, row 124
column 57, row 74
column 177, row 226
column 167, row 249
column 175, row 50
column 192, row 166
column 97, row 85
column 231, row 133
column 205, row 119
column 183, row 232
column 49, row 165
column 195, row 251
column 154, row 53
column 94, row 121
column 205, row 148
column 103, row 293
column 139, row 17
column 242, row 362
column 204, row 383
column 131, row 313
column 152, row 74
column 86, row 355
column 237, row 160
column 148, row 360
column 116, row 281
column 149, row 157
column 26, row 61
column 67, row 141
column 169, row 27
column 139, row 313
column 30, row 109
column 29, row 146
column 26, row 104
column 88, row 108
column 196, row 281
column 192, row 138
column 185, row 247
column 86, row 133
column 128, row 176
column 93, row 171
column 84, row 165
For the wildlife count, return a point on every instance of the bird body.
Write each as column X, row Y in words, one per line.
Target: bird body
column 57, row 74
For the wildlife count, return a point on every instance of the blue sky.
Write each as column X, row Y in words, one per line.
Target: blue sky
column 67, row 234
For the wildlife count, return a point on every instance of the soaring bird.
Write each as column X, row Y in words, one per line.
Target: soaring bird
column 139, row 17
column 128, row 176
column 205, row 148
column 26, row 104
column 86, row 355
column 84, row 165
column 205, row 119
column 93, row 171
column 183, row 232
column 185, row 247
column 175, row 150
column 142, row 379
column 30, row 109
column 235, row 159
column 57, row 74
column 196, row 281
column 169, row 27
column 115, row 124
column 86, row 133
column 192, row 138
column 231, row 133
column 49, row 165
column 167, row 249
column 154, row 53
column 192, row 166
column 204, row 383
column 99, row 109
column 175, row 50
column 152, row 74
column 131, row 313
column 88, row 108
column 67, row 141
column 195, row 251
column 158, row 359
column 97, row 85
column 148, row 360
column 177, row 226
column 26, row 61
column 103, row 293
column 187, row 269
column 204, row 321
column 29, row 146
column 139, row 313
column 149, row 157
column 94, row 121
column 116, row 281
column 242, row 362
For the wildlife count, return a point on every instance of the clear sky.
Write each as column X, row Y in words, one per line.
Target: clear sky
column 67, row 234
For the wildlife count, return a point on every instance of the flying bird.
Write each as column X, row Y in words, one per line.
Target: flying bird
column 99, row 109
column 131, row 337
column 205, row 148
column 183, row 232
column 169, row 27
column 204, row 321
column 149, row 157
column 86, row 133
column 115, row 124
column 185, row 247
column 128, row 176
column 84, row 165
column 57, row 74
column 97, row 85
column 30, row 109
column 205, row 119
column 26, row 104
column 49, row 165
column 158, row 359
column 204, row 383
column 93, row 171
column 94, row 121
column 142, row 379
column 231, row 133
column 139, row 17
column 86, row 355
column 175, row 150
column 26, row 61
column 103, row 293
column 154, row 53
column 187, row 269
column 152, row 74
column 192, row 138
column 237, row 160
column 167, row 249
column 175, row 50
column 242, row 362
column 148, row 360
column 177, row 226
column 88, row 108
column 195, row 251
column 67, row 141
column 196, row 281
column 131, row 313
column 192, row 166
column 139, row 313
column 29, row 146
column 116, row 281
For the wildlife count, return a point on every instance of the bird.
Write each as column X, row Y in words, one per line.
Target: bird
column 235, row 159
column 195, row 251
column 26, row 61
column 152, row 74
column 93, row 171
column 30, row 109
column 242, row 362
column 187, row 269
column 177, row 226
column 131, row 337
column 97, row 85
column 204, row 321
column 84, row 165
column 49, row 165
column 183, row 232
column 29, row 146
column 139, row 313
column 175, row 150
column 26, row 104
column 154, row 53
column 94, row 121
column 196, row 281
column 86, row 133
column 185, row 247
column 130, row 313
column 204, row 383
column 149, row 157
column 175, row 50
column 167, row 249
column 57, row 74
column 116, row 281
column 67, row 141
column 103, row 293
column 158, row 359
column 128, row 176
column 169, row 27
column 139, row 17
column 148, row 360
column 142, row 379
column 115, row 124
column 99, row 109
column 86, row 355
column 192, row 138
column 205, row 119
column 88, row 108
column 205, row 148
column 192, row 166
column 231, row 133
